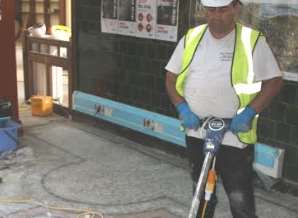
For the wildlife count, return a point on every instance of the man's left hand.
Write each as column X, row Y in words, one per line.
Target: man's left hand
column 242, row 122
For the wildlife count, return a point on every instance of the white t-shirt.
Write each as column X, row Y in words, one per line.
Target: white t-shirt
column 208, row 89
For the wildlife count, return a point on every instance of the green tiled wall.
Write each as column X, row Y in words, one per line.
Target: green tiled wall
column 279, row 127
column 122, row 68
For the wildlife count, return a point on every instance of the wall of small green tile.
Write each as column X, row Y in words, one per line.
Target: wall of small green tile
column 122, row 68
column 278, row 126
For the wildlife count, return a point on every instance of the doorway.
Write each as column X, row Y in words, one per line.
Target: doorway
column 38, row 72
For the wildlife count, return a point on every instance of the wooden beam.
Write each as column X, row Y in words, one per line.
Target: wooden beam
column 62, row 12
column 32, row 16
column 47, row 15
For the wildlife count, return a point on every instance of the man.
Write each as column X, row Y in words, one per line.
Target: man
column 227, row 70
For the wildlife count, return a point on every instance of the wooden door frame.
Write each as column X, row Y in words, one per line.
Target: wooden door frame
column 8, row 72
column 74, row 41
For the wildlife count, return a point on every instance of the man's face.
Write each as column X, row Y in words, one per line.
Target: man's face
column 221, row 19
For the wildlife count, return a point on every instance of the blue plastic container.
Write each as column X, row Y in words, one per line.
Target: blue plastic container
column 4, row 121
column 9, row 136
column 265, row 155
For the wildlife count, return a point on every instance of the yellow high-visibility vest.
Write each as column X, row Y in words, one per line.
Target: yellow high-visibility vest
column 242, row 74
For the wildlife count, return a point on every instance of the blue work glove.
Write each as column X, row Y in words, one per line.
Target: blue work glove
column 189, row 119
column 242, row 122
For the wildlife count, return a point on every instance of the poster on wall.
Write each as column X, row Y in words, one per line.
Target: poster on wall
column 126, row 18
column 167, row 14
column 152, row 19
column 109, row 16
column 146, row 18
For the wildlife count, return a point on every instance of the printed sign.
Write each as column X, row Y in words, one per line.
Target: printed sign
column 109, row 16
column 167, row 15
column 154, row 19
column 126, row 19
column 146, row 18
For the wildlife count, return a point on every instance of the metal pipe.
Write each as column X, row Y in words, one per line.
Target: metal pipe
column 200, row 185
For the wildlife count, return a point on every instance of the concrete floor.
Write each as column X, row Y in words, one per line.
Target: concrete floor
column 71, row 164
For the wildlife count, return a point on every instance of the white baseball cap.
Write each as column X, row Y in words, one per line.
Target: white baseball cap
column 216, row 3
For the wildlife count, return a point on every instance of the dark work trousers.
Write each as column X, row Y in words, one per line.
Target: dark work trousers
column 234, row 166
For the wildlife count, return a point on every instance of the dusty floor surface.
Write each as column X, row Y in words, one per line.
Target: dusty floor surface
column 77, row 165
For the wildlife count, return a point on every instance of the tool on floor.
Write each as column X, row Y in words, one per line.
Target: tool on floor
column 81, row 213
column 215, row 130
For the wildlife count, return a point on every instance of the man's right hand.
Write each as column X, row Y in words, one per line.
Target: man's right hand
column 189, row 119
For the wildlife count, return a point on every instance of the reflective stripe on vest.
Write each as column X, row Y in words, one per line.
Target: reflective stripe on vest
column 242, row 74
column 191, row 42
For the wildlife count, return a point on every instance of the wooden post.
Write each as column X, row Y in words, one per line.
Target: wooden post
column 8, row 75
column 62, row 12
column 47, row 15
column 32, row 17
